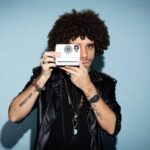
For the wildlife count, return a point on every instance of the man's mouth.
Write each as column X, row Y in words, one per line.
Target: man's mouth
column 85, row 61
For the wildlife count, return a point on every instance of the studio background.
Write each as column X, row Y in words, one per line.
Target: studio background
column 24, row 26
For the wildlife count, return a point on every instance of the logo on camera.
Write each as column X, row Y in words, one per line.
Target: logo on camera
column 70, row 54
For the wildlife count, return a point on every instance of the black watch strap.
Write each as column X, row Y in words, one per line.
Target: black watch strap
column 95, row 98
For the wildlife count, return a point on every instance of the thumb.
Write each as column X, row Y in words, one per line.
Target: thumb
column 81, row 66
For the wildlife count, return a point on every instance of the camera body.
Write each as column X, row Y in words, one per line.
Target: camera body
column 70, row 54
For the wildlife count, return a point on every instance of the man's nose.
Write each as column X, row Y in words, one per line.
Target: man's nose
column 83, row 52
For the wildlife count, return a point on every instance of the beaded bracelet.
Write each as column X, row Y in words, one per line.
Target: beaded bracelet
column 37, row 87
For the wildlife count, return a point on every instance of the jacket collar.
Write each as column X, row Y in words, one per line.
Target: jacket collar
column 95, row 76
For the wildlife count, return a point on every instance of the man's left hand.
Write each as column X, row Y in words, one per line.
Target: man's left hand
column 79, row 76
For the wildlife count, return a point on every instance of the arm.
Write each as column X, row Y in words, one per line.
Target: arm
column 22, row 104
column 104, row 115
column 105, row 109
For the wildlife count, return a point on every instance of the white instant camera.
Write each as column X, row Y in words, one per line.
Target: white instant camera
column 70, row 54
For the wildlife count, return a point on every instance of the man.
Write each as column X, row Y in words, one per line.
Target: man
column 77, row 108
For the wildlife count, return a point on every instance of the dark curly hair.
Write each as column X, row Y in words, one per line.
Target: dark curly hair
column 85, row 23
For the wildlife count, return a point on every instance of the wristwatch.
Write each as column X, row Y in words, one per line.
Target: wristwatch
column 95, row 98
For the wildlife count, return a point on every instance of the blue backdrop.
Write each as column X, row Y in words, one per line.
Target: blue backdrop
column 24, row 25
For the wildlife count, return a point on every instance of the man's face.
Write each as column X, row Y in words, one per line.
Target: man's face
column 87, row 51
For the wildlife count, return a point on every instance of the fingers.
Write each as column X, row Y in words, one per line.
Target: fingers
column 76, row 69
column 49, row 57
column 70, row 70
column 47, row 60
column 51, row 54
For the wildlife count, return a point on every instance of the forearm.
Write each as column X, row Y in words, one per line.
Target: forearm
column 24, row 102
column 104, row 115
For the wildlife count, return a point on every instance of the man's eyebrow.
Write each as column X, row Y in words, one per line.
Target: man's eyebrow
column 90, row 43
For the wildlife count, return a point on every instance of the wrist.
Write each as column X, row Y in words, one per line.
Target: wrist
column 95, row 98
column 45, row 75
column 37, row 87
column 40, row 82
column 90, row 91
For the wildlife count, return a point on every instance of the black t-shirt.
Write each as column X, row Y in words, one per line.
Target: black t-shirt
column 61, row 136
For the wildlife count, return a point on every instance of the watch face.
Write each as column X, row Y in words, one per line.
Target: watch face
column 95, row 98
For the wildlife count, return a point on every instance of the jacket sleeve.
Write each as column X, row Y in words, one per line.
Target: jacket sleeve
column 108, row 94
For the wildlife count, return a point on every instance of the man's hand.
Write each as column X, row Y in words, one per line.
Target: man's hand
column 48, row 62
column 80, row 77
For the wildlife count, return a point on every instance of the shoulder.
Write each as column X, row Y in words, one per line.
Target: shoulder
column 102, row 77
column 107, row 77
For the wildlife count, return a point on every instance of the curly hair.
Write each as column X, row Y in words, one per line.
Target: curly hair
column 85, row 23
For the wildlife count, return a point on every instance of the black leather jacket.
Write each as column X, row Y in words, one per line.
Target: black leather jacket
column 49, row 102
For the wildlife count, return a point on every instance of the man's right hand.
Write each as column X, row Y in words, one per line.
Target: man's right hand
column 48, row 62
column 23, row 103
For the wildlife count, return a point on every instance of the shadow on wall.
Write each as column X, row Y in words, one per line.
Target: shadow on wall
column 13, row 132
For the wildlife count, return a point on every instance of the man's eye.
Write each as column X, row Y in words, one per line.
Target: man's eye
column 91, row 46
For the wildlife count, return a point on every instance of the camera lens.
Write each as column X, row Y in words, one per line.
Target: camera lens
column 68, row 49
column 76, row 47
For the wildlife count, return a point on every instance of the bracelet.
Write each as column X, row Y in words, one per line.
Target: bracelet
column 37, row 87
column 95, row 98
